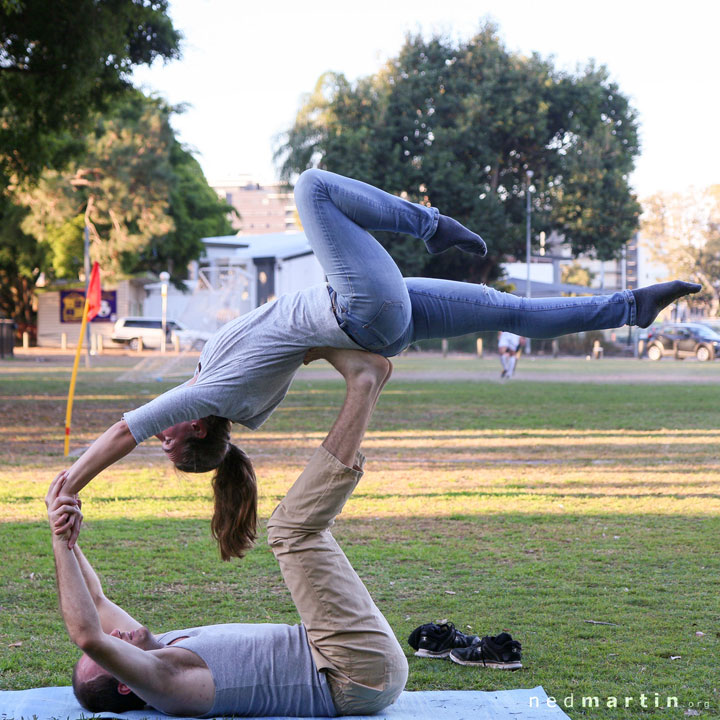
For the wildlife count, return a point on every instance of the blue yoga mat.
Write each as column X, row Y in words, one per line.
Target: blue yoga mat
column 58, row 703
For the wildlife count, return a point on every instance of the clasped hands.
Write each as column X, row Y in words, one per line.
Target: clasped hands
column 64, row 511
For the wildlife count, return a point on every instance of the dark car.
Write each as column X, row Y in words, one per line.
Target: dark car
column 682, row 340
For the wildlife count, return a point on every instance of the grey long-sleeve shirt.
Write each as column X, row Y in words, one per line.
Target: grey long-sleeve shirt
column 247, row 366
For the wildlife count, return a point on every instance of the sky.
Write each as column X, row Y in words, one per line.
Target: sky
column 246, row 66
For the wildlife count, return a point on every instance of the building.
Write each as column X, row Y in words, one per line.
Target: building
column 237, row 274
column 59, row 310
column 633, row 270
column 263, row 207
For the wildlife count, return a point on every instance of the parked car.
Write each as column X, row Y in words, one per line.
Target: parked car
column 712, row 323
column 129, row 330
column 682, row 340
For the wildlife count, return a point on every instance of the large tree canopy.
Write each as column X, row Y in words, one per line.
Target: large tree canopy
column 143, row 196
column 60, row 62
column 458, row 126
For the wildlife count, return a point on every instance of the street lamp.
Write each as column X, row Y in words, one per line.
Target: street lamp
column 528, row 293
column 164, row 277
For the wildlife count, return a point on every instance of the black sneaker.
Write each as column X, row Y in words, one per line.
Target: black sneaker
column 499, row 651
column 436, row 641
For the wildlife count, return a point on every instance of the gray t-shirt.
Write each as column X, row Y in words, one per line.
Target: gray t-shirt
column 259, row 670
column 247, row 366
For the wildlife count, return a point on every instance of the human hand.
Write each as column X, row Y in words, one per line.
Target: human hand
column 54, row 489
column 64, row 515
column 76, row 523
column 64, row 511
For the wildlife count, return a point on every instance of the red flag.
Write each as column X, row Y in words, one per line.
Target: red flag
column 93, row 292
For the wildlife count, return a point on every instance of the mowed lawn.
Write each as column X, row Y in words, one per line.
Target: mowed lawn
column 577, row 508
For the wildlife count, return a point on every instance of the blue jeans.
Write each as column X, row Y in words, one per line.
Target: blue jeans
column 384, row 312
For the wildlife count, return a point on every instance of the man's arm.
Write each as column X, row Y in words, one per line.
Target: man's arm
column 150, row 676
column 111, row 616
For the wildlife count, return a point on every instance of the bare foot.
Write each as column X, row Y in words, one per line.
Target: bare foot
column 356, row 366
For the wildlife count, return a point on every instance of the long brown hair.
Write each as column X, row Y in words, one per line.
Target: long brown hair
column 234, row 521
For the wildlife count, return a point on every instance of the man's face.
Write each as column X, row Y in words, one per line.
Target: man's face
column 88, row 669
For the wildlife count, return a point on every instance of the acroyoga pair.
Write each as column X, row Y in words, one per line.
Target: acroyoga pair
column 344, row 658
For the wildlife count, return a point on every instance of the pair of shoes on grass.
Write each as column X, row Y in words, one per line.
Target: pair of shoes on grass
column 445, row 641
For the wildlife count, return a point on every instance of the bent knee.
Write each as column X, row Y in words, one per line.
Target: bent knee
column 309, row 179
column 354, row 697
column 297, row 537
column 278, row 535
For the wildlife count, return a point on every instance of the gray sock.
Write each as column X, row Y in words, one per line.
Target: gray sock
column 450, row 233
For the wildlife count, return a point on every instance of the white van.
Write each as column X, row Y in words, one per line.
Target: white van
column 129, row 330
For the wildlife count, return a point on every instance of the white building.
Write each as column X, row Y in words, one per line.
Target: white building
column 237, row 274
column 633, row 270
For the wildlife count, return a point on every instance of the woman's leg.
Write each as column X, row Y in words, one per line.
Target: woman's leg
column 445, row 308
column 372, row 302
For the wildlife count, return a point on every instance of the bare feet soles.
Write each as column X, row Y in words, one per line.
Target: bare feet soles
column 354, row 365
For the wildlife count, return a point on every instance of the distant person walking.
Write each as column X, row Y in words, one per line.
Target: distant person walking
column 246, row 368
column 509, row 347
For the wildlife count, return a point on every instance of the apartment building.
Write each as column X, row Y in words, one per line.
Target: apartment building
column 263, row 207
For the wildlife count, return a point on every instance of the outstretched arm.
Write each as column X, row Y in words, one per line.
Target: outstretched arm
column 111, row 616
column 115, row 443
column 147, row 674
column 77, row 608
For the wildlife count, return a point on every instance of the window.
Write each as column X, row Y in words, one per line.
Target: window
column 140, row 323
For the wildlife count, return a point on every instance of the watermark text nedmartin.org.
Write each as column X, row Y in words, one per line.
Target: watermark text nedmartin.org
column 649, row 700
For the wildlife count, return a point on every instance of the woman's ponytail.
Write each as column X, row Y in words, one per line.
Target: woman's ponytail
column 235, row 518
column 234, row 521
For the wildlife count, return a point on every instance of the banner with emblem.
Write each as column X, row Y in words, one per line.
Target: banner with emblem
column 72, row 303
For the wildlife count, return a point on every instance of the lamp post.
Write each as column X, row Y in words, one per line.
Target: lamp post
column 164, row 277
column 528, row 210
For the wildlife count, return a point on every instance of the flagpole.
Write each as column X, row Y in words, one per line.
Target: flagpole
column 93, row 302
column 87, row 287
column 71, row 393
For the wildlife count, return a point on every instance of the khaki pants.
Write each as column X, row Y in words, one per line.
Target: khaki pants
column 349, row 638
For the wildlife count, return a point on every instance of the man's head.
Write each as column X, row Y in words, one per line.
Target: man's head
column 97, row 690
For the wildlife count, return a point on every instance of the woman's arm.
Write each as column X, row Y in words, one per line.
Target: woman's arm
column 115, row 443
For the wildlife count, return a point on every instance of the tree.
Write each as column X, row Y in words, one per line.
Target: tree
column 21, row 260
column 121, row 185
column 458, row 126
column 196, row 212
column 576, row 274
column 681, row 231
column 143, row 196
column 60, row 62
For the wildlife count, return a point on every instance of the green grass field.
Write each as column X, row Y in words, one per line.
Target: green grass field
column 578, row 492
